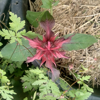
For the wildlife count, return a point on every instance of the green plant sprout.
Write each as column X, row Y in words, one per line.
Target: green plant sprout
column 48, row 4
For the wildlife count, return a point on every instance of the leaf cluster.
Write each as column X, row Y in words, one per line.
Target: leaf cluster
column 36, row 78
column 28, row 79
column 78, row 94
column 48, row 89
column 3, row 78
column 34, row 17
column 84, row 92
column 13, row 34
column 12, row 66
column 5, row 91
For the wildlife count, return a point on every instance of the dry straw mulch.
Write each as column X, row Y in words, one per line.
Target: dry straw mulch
column 77, row 16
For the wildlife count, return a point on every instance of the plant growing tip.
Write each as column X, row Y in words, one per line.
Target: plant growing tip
column 47, row 22
column 48, row 49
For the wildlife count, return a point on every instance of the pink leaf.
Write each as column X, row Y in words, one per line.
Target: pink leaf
column 55, row 72
column 43, row 60
column 34, row 42
column 47, row 22
column 31, row 59
column 61, row 41
column 60, row 54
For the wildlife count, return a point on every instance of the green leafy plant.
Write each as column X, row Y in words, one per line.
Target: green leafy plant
column 14, row 65
column 24, row 45
column 49, row 47
column 71, row 92
column 35, row 79
column 5, row 91
column 34, row 17
column 13, row 34
column 49, row 90
column 28, row 79
column 84, row 92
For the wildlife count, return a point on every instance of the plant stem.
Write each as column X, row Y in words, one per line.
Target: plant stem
column 4, row 24
column 11, row 55
column 28, row 50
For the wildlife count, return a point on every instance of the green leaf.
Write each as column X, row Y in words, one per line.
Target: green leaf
column 16, row 23
column 85, row 86
column 27, row 86
column 47, row 4
column 80, row 82
column 25, row 98
column 63, row 99
column 32, row 35
column 34, row 17
column 71, row 93
column 9, row 34
column 14, row 65
column 39, row 82
column 15, row 26
column 83, row 96
column 90, row 89
column 16, row 52
column 46, row 86
column 54, row 88
column 46, row 16
column 19, row 72
column 56, row 3
column 85, row 78
column 4, row 79
column 19, row 40
column 48, row 97
column 2, row 72
column 37, row 71
column 49, row 87
column 18, row 64
column 0, row 75
column 11, row 68
column 29, row 79
column 79, row 41
column 1, row 44
column 5, row 93
column 1, row 55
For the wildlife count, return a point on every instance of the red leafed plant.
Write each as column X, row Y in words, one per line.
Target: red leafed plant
column 50, row 48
